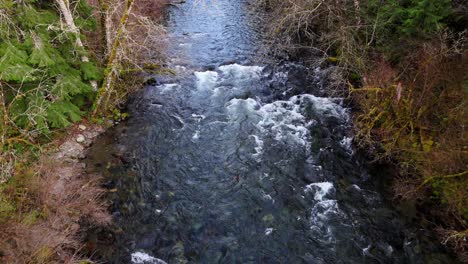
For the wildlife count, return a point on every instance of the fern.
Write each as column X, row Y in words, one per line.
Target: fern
column 47, row 81
column 13, row 65
column 41, row 58
column 90, row 71
column 68, row 85
column 59, row 114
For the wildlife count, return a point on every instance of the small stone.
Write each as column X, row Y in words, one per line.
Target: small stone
column 80, row 138
column 70, row 150
column 82, row 127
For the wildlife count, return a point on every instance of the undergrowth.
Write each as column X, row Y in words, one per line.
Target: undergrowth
column 41, row 216
column 56, row 56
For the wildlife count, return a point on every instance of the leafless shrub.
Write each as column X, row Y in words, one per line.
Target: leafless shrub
column 135, row 44
column 47, row 229
column 457, row 240
column 7, row 165
column 320, row 25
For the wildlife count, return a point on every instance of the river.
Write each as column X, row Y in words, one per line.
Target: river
column 241, row 158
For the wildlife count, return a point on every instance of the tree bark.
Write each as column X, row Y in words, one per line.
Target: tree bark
column 111, row 68
column 103, row 14
column 64, row 6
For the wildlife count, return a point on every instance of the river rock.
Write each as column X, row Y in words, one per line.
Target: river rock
column 70, row 149
column 80, row 138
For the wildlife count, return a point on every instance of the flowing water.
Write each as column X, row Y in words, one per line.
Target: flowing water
column 240, row 159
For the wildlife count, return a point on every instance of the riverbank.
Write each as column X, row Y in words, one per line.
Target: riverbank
column 50, row 200
column 401, row 65
column 66, row 69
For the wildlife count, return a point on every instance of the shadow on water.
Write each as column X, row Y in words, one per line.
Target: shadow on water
column 238, row 159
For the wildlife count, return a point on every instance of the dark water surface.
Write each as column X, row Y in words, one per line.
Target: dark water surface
column 241, row 159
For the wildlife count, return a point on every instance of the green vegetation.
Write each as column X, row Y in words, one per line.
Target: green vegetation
column 45, row 76
column 52, row 60
column 404, row 63
column 54, row 55
column 45, row 83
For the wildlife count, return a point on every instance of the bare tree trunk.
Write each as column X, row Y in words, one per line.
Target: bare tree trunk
column 111, row 68
column 103, row 9
column 108, row 27
column 106, row 23
column 64, row 6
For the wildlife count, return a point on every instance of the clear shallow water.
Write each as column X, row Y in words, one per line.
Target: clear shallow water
column 238, row 159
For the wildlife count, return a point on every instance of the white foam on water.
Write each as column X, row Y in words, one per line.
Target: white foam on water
column 198, row 34
column 240, row 108
column 241, row 72
column 327, row 106
column 323, row 189
column 259, row 147
column 365, row 251
column 320, row 214
column 198, row 117
column 268, row 231
column 206, row 80
column 180, row 68
column 323, row 209
column 264, row 176
column 143, row 258
column 196, row 135
column 317, row 167
column 281, row 118
column 284, row 120
column 168, row 87
column 347, row 143
column 389, row 250
column 281, row 75
column 267, row 197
